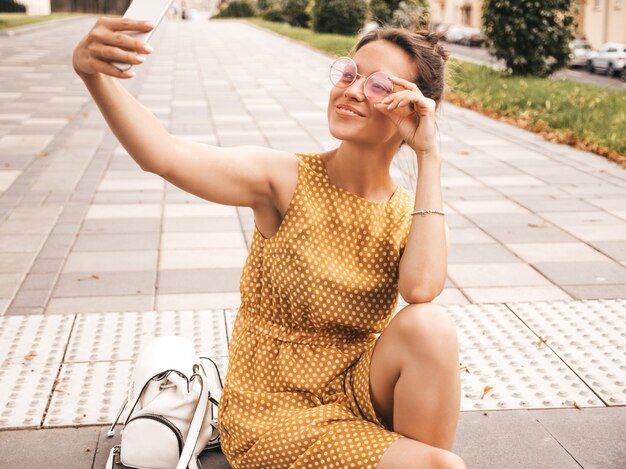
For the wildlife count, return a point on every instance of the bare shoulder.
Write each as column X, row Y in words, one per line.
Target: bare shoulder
column 282, row 174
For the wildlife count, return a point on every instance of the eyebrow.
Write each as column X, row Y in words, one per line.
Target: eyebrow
column 358, row 67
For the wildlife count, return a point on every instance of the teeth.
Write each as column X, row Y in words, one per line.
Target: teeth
column 348, row 110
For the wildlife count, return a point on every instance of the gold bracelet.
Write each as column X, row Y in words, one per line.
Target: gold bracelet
column 424, row 212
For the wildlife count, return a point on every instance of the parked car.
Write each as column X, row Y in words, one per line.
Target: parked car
column 610, row 59
column 441, row 28
column 579, row 53
column 472, row 37
column 456, row 33
column 371, row 26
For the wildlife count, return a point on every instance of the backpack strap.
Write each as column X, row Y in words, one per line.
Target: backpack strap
column 196, row 422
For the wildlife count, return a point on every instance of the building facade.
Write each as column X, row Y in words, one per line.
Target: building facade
column 599, row 21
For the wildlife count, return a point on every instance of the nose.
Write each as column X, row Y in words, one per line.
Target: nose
column 355, row 90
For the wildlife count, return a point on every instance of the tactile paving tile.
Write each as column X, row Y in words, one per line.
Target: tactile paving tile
column 31, row 350
column 120, row 336
column 498, row 344
column 520, row 378
column 230, row 315
column 92, row 393
column 589, row 336
column 489, row 325
column 89, row 393
column 582, row 323
column 34, row 340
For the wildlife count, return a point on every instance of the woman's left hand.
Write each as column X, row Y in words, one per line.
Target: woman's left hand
column 413, row 114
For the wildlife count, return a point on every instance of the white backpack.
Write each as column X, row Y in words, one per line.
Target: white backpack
column 173, row 418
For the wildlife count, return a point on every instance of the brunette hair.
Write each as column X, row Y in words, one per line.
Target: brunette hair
column 429, row 56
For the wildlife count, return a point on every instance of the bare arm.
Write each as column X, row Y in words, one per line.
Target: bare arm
column 138, row 130
column 237, row 176
column 424, row 263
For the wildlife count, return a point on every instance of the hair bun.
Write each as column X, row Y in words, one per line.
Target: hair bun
column 433, row 38
column 430, row 36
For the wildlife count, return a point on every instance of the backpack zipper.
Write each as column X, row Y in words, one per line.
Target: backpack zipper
column 166, row 422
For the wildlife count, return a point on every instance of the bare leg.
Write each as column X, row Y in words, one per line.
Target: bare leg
column 415, row 384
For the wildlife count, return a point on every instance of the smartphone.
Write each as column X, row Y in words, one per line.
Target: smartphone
column 144, row 10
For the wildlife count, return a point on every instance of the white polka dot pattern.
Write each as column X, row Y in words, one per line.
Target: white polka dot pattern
column 314, row 299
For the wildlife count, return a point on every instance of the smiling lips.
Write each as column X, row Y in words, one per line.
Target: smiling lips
column 345, row 110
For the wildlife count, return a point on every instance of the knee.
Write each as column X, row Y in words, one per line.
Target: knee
column 427, row 328
column 448, row 460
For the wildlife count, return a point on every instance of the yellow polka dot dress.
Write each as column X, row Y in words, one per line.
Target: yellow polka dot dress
column 314, row 299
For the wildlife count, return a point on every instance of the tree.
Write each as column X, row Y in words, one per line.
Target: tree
column 531, row 36
column 339, row 16
column 295, row 11
column 396, row 12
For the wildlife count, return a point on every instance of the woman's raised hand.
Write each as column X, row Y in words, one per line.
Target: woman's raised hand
column 105, row 43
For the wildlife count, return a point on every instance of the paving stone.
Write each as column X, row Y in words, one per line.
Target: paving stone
column 198, row 210
column 202, row 258
column 583, row 273
column 110, row 261
column 9, row 282
column 198, row 300
column 30, row 298
column 107, row 211
column 470, row 235
column 202, row 240
column 613, row 249
column 550, row 204
column 99, row 283
column 591, row 218
column 598, row 233
column 116, row 242
column 477, row 252
column 581, row 292
column 562, row 252
column 99, row 304
column 68, row 448
column 533, row 233
column 11, row 262
column 41, row 266
column 515, row 293
column 509, row 438
column 495, row 275
column 121, row 225
column 590, row 435
column 198, row 280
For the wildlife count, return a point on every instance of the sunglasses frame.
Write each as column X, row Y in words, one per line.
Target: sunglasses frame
column 357, row 75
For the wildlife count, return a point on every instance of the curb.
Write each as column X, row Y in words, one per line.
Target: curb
column 27, row 28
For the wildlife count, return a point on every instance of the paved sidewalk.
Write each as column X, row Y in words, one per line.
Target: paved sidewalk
column 96, row 255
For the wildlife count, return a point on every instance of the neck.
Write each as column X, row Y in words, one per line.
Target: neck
column 361, row 170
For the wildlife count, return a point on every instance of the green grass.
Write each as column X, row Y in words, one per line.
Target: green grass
column 13, row 20
column 584, row 115
column 594, row 115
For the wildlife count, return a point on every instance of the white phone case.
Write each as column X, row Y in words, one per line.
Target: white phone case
column 143, row 10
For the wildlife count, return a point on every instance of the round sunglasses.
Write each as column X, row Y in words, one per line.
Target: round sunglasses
column 377, row 86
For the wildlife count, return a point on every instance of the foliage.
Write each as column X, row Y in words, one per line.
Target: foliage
column 238, row 9
column 400, row 13
column 411, row 15
column 11, row 6
column 295, row 12
column 271, row 10
column 339, row 16
column 531, row 36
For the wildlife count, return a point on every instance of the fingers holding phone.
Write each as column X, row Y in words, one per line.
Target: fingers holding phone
column 106, row 43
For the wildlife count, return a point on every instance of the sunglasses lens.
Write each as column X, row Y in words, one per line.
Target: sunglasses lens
column 342, row 72
column 378, row 86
